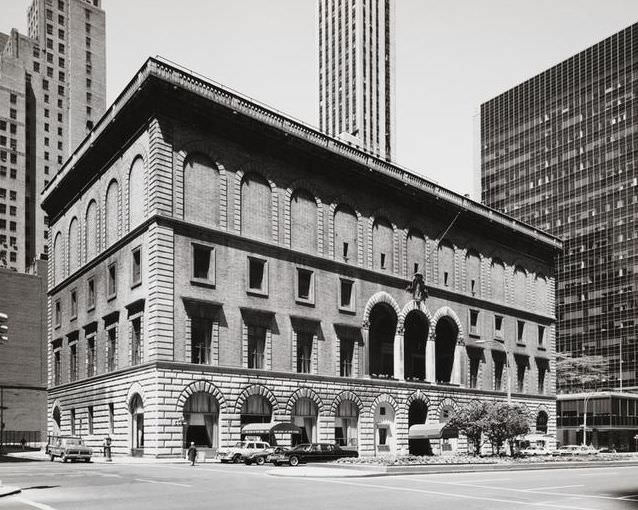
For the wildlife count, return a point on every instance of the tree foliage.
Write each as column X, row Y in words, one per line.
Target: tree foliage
column 498, row 422
column 580, row 373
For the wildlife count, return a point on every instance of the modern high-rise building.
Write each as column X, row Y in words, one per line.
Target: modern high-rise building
column 356, row 72
column 52, row 89
column 559, row 153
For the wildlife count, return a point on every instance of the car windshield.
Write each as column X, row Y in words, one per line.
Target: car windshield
column 73, row 442
column 241, row 444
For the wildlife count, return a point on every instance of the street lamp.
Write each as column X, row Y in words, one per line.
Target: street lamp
column 507, row 365
column 587, row 397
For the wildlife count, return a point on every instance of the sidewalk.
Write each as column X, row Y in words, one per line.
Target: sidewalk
column 40, row 456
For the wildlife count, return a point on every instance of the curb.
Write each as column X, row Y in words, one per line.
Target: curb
column 6, row 490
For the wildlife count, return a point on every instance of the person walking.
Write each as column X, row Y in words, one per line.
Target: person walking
column 192, row 453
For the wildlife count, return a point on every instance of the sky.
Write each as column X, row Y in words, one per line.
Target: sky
column 451, row 56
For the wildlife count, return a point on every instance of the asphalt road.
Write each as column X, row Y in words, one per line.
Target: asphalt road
column 57, row 486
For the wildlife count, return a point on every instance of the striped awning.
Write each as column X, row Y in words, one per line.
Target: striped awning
column 270, row 428
column 432, row 431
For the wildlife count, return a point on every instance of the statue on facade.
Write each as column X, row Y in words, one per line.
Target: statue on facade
column 417, row 288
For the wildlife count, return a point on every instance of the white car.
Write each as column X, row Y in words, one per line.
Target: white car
column 534, row 451
column 241, row 449
column 575, row 449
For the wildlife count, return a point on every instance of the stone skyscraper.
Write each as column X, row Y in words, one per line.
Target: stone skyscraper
column 52, row 90
column 356, row 78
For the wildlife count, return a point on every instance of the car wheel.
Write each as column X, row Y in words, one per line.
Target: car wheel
column 64, row 459
column 237, row 459
column 261, row 461
column 52, row 457
column 294, row 461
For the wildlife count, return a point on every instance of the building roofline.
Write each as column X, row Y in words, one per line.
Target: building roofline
column 596, row 394
column 186, row 79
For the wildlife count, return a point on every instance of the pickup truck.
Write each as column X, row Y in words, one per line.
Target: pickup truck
column 69, row 448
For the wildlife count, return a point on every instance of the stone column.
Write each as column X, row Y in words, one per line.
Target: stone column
column 458, row 362
column 430, row 361
column 365, row 358
column 398, row 355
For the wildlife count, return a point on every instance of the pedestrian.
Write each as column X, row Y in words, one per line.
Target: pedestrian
column 23, row 442
column 192, row 453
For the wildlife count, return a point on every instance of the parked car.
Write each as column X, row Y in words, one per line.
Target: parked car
column 241, row 450
column 260, row 457
column 574, row 449
column 311, row 452
column 535, row 451
column 68, row 448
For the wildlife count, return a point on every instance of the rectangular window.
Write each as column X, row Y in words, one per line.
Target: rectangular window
column 305, row 286
column 74, row 304
column 345, row 251
column 542, row 371
column 136, row 341
column 541, row 336
column 474, row 317
column 111, row 418
column 499, row 365
column 136, row 266
column 201, row 335
column 256, row 346
column 445, row 278
column 90, row 293
column 475, row 363
column 520, row 377
column 382, row 261
column 73, row 361
column 90, row 419
column 304, row 352
column 111, row 348
column 498, row 327
column 346, row 352
column 520, row 332
column 72, row 422
column 257, row 276
column 346, row 295
column 57, row 314
column 111, row 281
column 91, row 359
column 57, row 367
column 203, row 258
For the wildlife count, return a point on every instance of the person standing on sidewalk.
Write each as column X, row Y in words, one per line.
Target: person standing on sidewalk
column 192, row 453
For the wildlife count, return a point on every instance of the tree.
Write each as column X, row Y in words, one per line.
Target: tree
column 504, row 422
column 471, row 421
column 579, row 373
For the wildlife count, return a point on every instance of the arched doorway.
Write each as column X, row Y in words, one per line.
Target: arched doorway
column 446, row 334
column 57, row 420
column 383, row 324
column 136, row 409
column 418, row 414
column 201, row 414
column 256, row 409
column 304, row 415
column 541, row 422
column 415, row 334
column 347, row 424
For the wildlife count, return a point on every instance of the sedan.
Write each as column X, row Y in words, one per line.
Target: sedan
column 311, row 452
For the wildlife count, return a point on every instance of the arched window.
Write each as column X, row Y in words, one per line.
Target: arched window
column 58, row 258
column 473, row 271
column 382, row 245
column 446, row 334
column 201, row 190
column 520, row 286
column 303, row 221
column 201, row 413
column 256, row 409
column 345, row 234
column 383, row 323
column 416, row 252
column 74, row 245
column 90, row 229
column 541, row 422
column 498, row 280
column 304, row 415
column 136, row 193
column 347, row 424
column 112, row 213
column 541, row 293
column 256, row 207
column 57, row 420
column 446, row 264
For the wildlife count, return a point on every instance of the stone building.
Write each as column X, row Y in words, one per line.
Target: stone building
column 216, row 264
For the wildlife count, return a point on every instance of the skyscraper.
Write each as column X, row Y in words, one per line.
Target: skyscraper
column 559, row 152
column 52, row 89
column 356, row 64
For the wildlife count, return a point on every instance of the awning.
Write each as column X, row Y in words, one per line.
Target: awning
column 432, row 431
column 270, row 428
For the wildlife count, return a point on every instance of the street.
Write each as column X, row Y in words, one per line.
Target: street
column 57, row 486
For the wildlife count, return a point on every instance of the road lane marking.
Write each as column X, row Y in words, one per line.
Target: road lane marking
column 34, row 504
column 162, row 482
column 629, row 497
column 554, row 487
column 451, row 495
